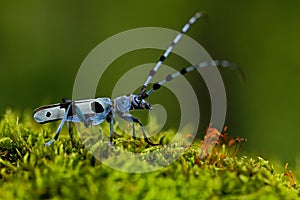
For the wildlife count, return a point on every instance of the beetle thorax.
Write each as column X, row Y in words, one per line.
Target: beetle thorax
column 122, row 104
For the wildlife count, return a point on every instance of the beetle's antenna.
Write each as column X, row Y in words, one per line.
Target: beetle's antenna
column 220, row 63
column 153, row 71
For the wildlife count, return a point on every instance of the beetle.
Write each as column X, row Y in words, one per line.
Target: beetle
column 93, row 112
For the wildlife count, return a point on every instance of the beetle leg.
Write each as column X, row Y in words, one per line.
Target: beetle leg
column 59, row 127
column 130, row 118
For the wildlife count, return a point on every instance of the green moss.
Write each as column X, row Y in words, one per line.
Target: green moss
column 28, row 170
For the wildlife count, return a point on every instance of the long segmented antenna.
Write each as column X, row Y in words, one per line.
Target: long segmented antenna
column 152, row 72
column 221, row 63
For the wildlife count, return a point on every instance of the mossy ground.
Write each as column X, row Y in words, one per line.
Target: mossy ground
column 67, row 170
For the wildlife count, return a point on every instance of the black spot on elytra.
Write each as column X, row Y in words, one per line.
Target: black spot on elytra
column 48, row 114
column 97, row 107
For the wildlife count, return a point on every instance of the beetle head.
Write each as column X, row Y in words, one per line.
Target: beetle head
column 138, row 103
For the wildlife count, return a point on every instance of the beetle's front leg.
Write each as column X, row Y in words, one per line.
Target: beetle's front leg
column 130, row 118
column 133, row 131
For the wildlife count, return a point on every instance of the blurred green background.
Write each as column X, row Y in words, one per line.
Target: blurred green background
column 43, row 43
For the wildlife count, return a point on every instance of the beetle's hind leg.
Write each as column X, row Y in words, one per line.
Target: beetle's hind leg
column 59, row 127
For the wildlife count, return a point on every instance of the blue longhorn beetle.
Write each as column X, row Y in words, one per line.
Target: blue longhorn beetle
column 92, row 112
